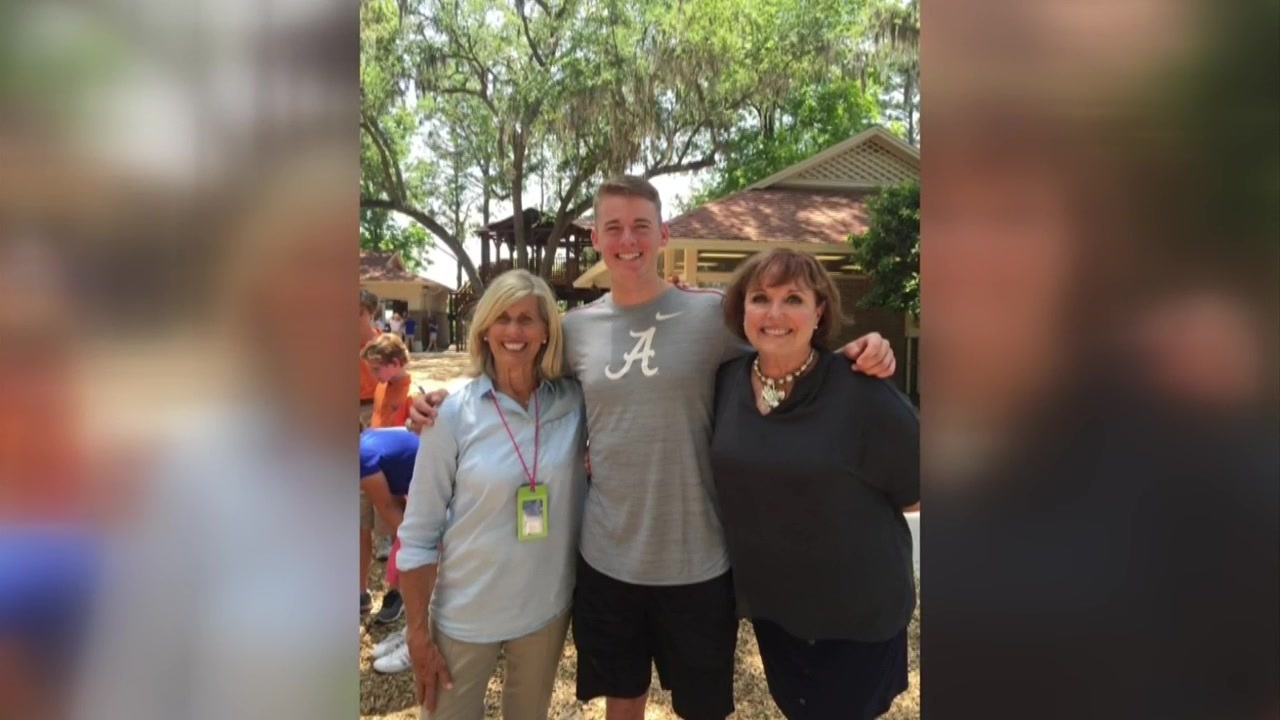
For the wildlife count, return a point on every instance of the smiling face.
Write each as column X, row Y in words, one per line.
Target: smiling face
column 628, row 235
column 517, row 335
column 779, row 321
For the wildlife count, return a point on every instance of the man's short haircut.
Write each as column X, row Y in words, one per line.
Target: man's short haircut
column 628, row 186
column 780, row 266
column 368, row 300
column 386, row 348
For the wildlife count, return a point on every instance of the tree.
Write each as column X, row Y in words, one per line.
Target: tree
column 393, row 177
column 808, row 120
column 588, row 87
column 872, row 77
column 380, row 232
column 888, row 44
column 889, row 250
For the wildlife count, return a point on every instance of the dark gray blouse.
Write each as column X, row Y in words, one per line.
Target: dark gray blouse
column 811, row 499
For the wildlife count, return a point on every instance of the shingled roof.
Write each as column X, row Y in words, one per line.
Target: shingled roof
column 385, row 267
column 818, row 200
column 781, row 215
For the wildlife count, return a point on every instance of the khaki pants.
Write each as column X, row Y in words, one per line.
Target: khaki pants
column 530, row 674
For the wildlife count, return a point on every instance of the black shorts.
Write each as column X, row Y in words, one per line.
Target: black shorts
column 818, row 679
column 689, row 631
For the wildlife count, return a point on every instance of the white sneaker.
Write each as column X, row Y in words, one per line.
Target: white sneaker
column 397, row 661
column 388, row 644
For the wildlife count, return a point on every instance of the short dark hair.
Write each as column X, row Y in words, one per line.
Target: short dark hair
column 778, row 267
column 368, row 300
column 628, row 186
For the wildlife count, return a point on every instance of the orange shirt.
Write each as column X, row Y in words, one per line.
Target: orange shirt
column 391, row 403
column 368, row 383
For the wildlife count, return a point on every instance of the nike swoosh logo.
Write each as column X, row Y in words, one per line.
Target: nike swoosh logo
column 660, row 316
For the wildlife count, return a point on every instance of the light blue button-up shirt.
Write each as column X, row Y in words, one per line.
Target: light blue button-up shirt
column 491, row 587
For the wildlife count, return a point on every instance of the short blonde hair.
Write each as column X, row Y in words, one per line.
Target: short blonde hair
column 386, row 348
column 506, row 289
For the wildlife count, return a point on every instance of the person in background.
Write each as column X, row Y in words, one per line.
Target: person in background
column 55, row 514
column 410, row 331
column 387, row 456
column 433, row 332
column 813, row 468
column 388, row 359
column 368, row 328
column 368, row 331
column 507, row 450
column 396, row 326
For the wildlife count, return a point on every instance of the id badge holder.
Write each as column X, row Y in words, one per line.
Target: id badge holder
column 531, row 513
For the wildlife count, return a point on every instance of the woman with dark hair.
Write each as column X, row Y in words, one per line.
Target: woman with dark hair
column 814, row 467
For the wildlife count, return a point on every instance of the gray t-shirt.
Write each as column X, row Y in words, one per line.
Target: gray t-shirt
column 648, row 373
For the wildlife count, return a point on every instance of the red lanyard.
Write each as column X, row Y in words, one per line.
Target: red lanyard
column 537, row 412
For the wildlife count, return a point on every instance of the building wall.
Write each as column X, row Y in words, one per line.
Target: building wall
column 422, row 303
column 891, row 325
column 416, row 296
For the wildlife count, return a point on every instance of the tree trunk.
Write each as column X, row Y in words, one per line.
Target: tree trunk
column 485, row 198
column 908, row 104
column 517, row 199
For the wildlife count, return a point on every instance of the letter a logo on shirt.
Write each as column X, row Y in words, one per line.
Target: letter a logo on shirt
column 642, row 352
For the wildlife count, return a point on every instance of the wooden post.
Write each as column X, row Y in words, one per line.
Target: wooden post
column 690, row 267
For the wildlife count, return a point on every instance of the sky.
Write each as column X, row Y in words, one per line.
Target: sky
column 443, row 268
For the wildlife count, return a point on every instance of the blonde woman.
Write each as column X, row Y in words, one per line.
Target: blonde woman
column 500, row 481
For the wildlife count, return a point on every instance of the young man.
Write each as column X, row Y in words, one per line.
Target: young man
column 368, row 386
column 387, row 456
column 388, row 357
column 653, row 575
column 368, row 383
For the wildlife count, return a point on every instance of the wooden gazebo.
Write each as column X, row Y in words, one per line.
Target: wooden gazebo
column 498, row 251
column 567, row 265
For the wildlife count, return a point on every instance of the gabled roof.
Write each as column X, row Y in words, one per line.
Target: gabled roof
column 538, row 224
column 873, row 158
column 388, row 267
column 384, row 267
column 782, row 215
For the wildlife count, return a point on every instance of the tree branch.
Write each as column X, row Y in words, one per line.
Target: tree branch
column 688, row 144
column 565, row 215
column 430, row 223
column 524, row 22
column 699, row 164
column 395, row 187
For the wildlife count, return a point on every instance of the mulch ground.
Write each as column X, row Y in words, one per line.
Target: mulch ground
column 390, row 697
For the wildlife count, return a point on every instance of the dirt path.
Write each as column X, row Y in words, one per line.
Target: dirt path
column 440, row 370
